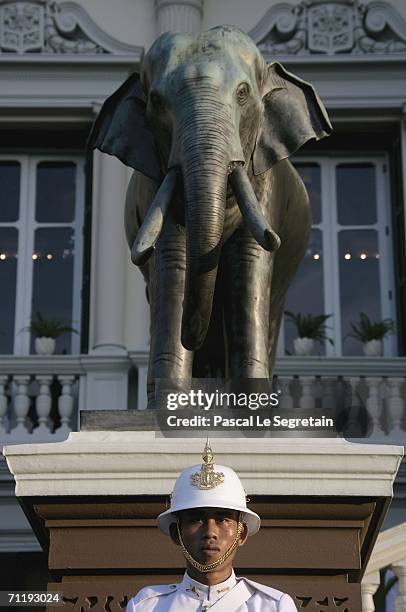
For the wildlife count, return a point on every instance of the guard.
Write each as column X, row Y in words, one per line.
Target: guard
column 209, row 520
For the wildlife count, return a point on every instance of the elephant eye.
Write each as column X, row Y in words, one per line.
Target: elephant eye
column 243, row 91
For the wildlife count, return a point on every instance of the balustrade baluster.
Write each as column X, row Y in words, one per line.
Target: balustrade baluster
column 65, row 403
column 395, row 406
column 43, row 405
column 369, row 587
column 285, row 399
column 374, row 404
column 21, row 404
column 307, row 399
column 399, row 569
column 353, row 424
column 3, row 403
column 328, row 393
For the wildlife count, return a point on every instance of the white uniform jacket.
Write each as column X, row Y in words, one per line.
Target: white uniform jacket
column 233, row 595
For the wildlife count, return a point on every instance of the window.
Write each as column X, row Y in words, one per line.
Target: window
column 41, row 218
column 348, row 266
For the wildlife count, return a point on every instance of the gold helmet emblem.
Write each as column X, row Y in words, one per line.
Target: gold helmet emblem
column 207, row 478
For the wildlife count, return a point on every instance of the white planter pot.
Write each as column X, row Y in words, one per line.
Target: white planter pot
column 303, row 346
column 373, row 348
column 44, row 346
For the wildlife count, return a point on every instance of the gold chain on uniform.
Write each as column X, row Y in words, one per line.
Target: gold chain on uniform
column 211, row 566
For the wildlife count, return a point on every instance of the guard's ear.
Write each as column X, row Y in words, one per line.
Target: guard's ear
column 244, row 536
column 173, row 532
column 293, row 114
column 121, row 129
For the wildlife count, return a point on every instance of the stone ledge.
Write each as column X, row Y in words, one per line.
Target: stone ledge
column 140, row 463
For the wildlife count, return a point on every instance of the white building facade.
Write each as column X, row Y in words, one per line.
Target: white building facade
column 62, row 246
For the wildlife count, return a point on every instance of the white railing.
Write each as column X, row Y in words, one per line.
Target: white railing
column 389, row 552
column 377, row 385
column 40, row 397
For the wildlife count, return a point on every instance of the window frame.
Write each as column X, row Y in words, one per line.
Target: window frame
column 330, row 229
column 26, row 226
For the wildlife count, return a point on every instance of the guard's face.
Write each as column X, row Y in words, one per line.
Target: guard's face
column 208, row 533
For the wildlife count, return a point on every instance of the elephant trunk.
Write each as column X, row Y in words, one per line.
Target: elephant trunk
column 204, row 137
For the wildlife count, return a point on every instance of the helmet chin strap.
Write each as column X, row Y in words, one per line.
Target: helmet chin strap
column 209, row 567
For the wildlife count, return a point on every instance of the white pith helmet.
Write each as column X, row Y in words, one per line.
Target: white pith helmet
column 208, row 486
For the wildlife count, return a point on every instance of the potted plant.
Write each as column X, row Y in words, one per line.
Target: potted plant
column 45, row 332
column 310, row 329
column 371, row 334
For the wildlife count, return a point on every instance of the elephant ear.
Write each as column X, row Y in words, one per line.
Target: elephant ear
column 293, row 114
column 121, row 129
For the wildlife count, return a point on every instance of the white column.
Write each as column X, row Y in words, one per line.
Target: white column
column 369, row 587
column 399, row 569
column 179, row 16
column 108, row 256
column 107, row 376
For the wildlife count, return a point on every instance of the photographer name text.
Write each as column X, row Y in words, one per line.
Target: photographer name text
column 250, row 421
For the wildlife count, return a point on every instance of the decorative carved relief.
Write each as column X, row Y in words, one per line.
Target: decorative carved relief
column 323, row 27
column 47, row 27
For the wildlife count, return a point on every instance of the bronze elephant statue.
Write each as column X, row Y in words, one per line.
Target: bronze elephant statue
column 216, row 215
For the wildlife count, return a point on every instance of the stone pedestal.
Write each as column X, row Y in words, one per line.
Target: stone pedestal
column 93, row 499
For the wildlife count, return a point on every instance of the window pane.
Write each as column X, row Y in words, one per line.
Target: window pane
column 8, row 274
column 306, row 293
column 311, row 177
column 56, row 186
column 53, row 279
column 359, row 281
column 9, row 191
column 356, row 194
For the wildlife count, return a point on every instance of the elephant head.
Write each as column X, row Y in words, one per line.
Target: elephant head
column 207, row 113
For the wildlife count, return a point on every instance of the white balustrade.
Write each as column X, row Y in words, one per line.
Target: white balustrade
column 21, row 404
column 374, row 404
column 354, row 403
column 286, row 398
column 369, row 587
column 389, row 553
column 28, row 392
column 307, row 399
column 395, row 405
column 65, row 403
column 399, row 569
column 329, row 392
column 43, row 405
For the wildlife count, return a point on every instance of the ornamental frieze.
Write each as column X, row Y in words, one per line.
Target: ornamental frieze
column 50, row 27
column 329, row 28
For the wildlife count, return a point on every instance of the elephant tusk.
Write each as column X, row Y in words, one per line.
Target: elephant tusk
column 148, row 234
column 251, row 211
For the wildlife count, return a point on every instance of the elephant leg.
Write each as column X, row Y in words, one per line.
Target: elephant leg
column 170, row 364
column 248, row 273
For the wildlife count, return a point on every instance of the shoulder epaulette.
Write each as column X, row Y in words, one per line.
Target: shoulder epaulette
column 154, row 591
